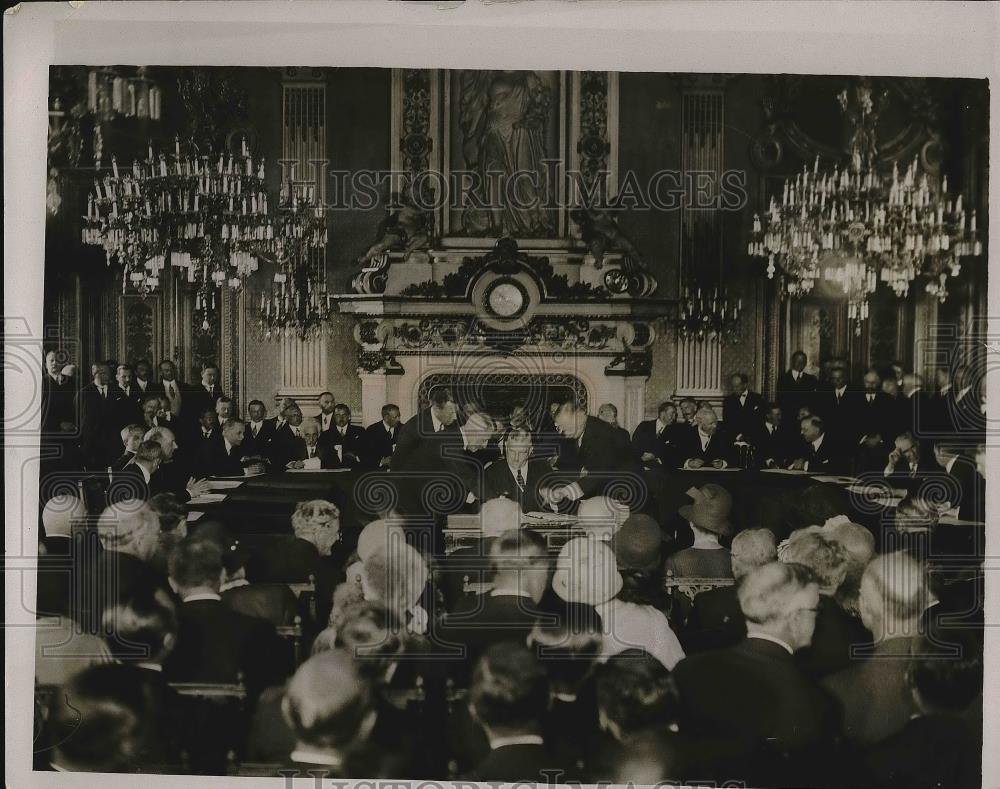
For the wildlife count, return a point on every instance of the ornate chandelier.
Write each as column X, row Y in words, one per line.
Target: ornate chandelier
column 702, row 316
column 297, row 303
column 112, row 92
column 895, row 228
column 209, row 217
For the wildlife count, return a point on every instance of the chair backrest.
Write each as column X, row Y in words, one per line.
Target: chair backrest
column 307, row 590
column 293, row 633
column 235, row 691
column 690, row 586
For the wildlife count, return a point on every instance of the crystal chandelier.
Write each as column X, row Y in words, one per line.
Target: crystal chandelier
column 205, row 216
column 113, row 92
column 701, row 316
column 900, row 227
column 297, row 303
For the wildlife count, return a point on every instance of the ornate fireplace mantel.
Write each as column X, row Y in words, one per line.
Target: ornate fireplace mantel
column 508, row 312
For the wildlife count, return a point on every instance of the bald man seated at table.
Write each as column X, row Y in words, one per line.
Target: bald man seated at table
column 707, row 444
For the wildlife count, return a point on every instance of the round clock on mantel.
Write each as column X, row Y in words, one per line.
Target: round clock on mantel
column 506, row 299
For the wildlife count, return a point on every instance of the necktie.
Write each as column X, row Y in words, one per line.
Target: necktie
column 871, row 397
column 312, row 452
column 229, row 451
column 104, row 392
column 255, row 428
column 520, row 480
column 207, row 433
column 659, row 432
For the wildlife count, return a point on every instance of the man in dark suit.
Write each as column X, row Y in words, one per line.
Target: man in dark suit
column 215, row 643
column 772, row 441
column 970, row 485
column 97, row 404
column 259, row 430
column 817, row 452
column 510, row 610
column 742, row 409
column 796, row 387
column 222, row 458
column 58, row 415
column 207, row 393
column 609, row 413
column 149, row 411
column 919, row 409
column 170, row 386
column 707, row 444
column 287, row 443
column 835, row 402
column 873, row 692
column 592, row 459
column 516, row 475
column 129, row 408
column 175, row 474
column 441, row 416
column 325, row 417
column 907, row 466
column 129, row 533
column 133, row 480
column 658, row 441
column 873, row 424
column 508, row 697
column 131, row 438
column 143, row 377
column 380, row 439
column 754, row 692
column 345, row 438
column 315, row 451
column 716, row 619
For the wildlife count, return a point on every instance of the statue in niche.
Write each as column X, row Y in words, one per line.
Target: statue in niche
column 408, row 227
column 601, row 234
column 503, row 117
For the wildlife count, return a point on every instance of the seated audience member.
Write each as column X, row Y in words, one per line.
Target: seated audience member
column 215, row 643
column 707, row 444
column 716, row 619
column 61, row 651
column 61, row 516
column 742, row 409
column 142, row 629
column 587, row 573
column 107, row 719
column 510, row 610
column 837, row 634
column 657, row 442
column 773, row 446
column 708, row 515
column 907, row 467
column 272, row 602
column 873, row 694
column 936, row 747
column 171, row 513
column 817, row 451
column 173, row 475
column 568, row 650
column 131, row 438
column 635, row 694
column 396, row 576
column 753, row 694
column 129, row 534
column 517, row 476
column 638, row 548
column 330, row 706
column 133, row 481
column 858, row 545
column 222, row 458
column 969, row 485
column 379, row 440
column 345, row 439
column 601, row 516
column 508, row 698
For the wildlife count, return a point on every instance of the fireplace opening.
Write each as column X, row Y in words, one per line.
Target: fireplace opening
column 498, row 394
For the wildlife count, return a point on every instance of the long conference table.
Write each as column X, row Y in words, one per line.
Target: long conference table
column 778, row 500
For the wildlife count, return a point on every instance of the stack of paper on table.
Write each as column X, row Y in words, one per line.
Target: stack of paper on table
column 194, row 515
column 208, row 498
column 224, row 484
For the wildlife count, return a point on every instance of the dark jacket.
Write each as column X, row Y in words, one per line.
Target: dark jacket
column 666, row 446
column 499, row 480
column 793, row 394
column 350, row 443
column 258, row 445
column 377, row 443
column 720, row 447
column 828, row 459
column 836, row 635
column 778, row 445
column 742, row 418
column 217, row 644
column 753, row 690
column 214, row 461
column 272, row 602
column 128, row 483
column 518, row 763
column 57, row 403
column 600, row 453
column 971, row 490
column 100, row 437
column 716, row 621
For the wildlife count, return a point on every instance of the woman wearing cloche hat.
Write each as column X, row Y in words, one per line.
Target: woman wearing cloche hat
column 708, row 515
